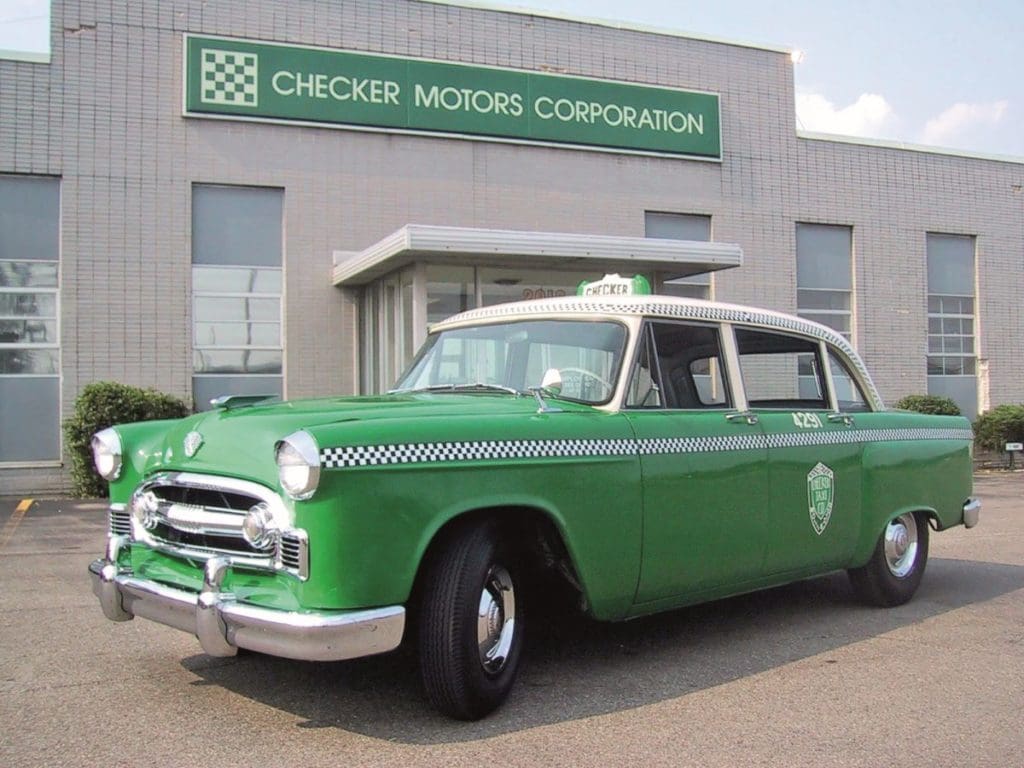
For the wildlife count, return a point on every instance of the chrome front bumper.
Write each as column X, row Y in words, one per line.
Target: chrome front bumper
column 223, row 625
column 972, row 511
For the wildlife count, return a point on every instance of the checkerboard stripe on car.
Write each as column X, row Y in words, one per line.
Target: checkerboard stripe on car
column 345, row 457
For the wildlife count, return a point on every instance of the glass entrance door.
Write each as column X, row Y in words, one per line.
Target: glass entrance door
column 396, row 309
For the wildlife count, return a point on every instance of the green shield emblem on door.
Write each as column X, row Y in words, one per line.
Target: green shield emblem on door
column 820, row 494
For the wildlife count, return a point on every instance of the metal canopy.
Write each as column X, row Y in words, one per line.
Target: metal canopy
column 670, row 259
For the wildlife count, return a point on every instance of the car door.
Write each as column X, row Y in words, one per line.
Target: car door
column 704, row 466
column 814, row 455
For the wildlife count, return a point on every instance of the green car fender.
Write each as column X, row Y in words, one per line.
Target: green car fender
column 928, row 476
column 374, row 524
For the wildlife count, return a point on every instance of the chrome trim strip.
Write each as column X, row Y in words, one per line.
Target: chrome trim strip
column 972, row 512
column 196, row 519
column 203, row 554
column 218, row 483
column 223, row 625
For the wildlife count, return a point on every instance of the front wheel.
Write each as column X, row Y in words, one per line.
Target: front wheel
column 893, row 573
column 471, row 624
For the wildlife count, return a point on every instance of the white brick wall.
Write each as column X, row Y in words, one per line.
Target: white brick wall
column 105, row 116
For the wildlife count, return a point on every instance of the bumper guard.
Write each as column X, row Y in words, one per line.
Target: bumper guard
column 972, row 511
column 223, row 625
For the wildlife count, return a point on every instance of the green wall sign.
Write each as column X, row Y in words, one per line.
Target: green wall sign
column 262, row 81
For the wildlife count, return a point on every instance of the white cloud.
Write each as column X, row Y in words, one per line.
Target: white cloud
column 961, row 119
column 869, row 115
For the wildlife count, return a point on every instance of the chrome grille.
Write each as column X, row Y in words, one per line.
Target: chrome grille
column 119, row 521
column 294, row 549
column 201, row 516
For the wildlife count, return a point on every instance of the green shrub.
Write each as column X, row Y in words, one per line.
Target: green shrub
column 1003, row 424
column 101, row 405
column 933, row 404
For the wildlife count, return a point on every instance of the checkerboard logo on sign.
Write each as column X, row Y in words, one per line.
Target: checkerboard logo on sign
column 229, row 77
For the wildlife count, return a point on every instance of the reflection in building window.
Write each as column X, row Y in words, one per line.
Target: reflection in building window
column 237, row 338
column 29, row 319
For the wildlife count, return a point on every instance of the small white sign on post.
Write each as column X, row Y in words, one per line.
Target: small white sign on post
column 1014, row 447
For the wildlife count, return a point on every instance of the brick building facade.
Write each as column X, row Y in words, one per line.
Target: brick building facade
column 119, row 261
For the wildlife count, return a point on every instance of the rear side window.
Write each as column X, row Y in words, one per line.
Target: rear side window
column 781, row 371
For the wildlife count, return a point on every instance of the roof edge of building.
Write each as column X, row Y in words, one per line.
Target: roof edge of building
column 525, row 10
column 908, row 146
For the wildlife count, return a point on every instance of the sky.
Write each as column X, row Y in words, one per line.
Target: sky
column 942, row 73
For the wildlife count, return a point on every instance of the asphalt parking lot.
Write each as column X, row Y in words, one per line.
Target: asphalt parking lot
column 796, row 676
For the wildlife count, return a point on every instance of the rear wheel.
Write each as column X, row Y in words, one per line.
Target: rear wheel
column 894, row 572
column 471, row 624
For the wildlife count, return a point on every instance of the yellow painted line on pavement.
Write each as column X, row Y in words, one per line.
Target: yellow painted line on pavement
column 12, row 523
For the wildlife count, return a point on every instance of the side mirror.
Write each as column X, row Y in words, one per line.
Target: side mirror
column 551, row 381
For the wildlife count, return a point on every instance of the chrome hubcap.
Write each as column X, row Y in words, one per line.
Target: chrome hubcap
column 496, row 619
column 901, row 545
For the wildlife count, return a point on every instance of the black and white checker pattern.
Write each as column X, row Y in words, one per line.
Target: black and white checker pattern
column 229, row 77
column 497, row 450
column 652, row 446
column 484, row 450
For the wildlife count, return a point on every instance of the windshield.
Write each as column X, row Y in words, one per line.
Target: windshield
column 520, row 355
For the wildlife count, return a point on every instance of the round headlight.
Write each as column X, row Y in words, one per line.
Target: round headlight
column 259, row 527
column 106, row 453
column 298, row 465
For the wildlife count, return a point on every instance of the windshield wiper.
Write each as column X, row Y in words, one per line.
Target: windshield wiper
column 431, row 388
column 475, row 387
column 485, row 387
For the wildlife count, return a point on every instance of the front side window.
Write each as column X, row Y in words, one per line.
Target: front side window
column 683, row 362
column 518, row 355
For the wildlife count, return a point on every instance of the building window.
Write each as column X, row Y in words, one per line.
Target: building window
column 29, row 319
column 824, row 282
column 681, row 226
column 237, row 339
column 951, row 320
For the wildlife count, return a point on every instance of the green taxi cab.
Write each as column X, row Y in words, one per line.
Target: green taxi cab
column 649, row 452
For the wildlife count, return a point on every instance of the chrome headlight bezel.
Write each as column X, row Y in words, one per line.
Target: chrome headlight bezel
column 259, row 528
column 298, row 465
column 107, row 453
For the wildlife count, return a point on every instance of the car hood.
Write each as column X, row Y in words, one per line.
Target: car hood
column 240, row 441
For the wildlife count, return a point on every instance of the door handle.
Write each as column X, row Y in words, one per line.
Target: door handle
column 748, row 417
column 843, row 418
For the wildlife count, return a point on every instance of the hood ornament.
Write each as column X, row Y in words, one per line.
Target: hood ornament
column 193, row 442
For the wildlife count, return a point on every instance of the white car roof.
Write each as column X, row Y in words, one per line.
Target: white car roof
column 668, row 307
